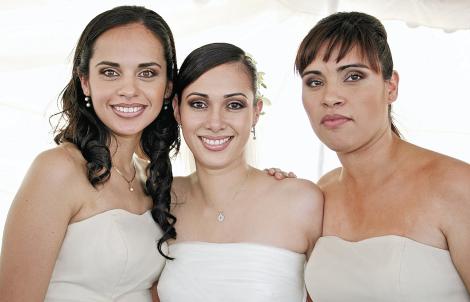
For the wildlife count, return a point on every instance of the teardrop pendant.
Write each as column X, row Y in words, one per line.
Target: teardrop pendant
column 221, row 217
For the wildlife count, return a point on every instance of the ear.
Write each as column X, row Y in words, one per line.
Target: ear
column 392, row 87
column 168, row 89
column 85, row 83
column 258, row 109
column 176, row 110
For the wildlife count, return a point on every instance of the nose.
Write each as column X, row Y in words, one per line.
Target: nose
column 332, row 97
column 215, row 120
column 128, row 89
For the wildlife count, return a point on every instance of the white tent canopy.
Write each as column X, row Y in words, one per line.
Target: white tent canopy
column 430, row 41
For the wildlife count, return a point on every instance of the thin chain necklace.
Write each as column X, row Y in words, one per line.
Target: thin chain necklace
column 129, row 182
column 220, row 213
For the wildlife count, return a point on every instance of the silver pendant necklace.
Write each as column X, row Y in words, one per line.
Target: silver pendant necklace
column 220, row 213
column 221, row 216
column 129, row 182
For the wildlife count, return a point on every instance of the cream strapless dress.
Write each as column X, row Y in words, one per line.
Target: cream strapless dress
column 386, row 268
column 216, row 272
column 112, row 256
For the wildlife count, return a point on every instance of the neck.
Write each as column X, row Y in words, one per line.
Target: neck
column 218, row 187
column 373, row 163
column 122, row 150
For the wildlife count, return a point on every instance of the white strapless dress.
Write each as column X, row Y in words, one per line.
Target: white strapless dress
column 112, row 256
column 226, row 272
column 387, row 268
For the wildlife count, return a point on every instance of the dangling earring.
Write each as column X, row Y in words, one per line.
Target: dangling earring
column 253, row 130
column 166, row 103
column 87, row 101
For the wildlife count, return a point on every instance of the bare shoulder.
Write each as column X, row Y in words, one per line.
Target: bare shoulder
column 57, row 174
column 37, row 222
column 448, row 176
column 329, row 179
column 306, row 200
column 300, row 202
column 449, row 186
column 302, row 196
column 292, row 188
column 303, row 190
column 61, row 161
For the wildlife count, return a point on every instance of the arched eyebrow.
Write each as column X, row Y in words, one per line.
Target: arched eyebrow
column 116, row 65
column 343, row 67
column 340, row 68
column 235, row 94
column 225, row 95
column 315, row 72
column 198, row 94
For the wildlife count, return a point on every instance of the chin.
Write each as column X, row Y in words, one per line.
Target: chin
column 337, row 145
column 213, row 164
column 214, row 161
column 127, row 132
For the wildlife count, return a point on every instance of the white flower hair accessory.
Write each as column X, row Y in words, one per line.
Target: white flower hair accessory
column 260, row 84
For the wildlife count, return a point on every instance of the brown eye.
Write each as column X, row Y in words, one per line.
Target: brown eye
column 198, row 105
column 235, row 105
column 148, row 73
column 110, row 73
column 354, row 77
column 313, row 83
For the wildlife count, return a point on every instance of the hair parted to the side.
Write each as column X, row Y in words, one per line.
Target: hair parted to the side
column 81, row 126
column 212, row 55
column 344, row 31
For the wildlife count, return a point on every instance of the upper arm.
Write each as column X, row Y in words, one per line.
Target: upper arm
column 457, row 224
column 315, row 211
column 309, row 211
column 34, row 229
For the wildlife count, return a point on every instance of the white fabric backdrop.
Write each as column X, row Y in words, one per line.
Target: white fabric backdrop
column 430, row 41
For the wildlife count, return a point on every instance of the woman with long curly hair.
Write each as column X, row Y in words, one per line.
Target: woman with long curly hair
column 80, row 227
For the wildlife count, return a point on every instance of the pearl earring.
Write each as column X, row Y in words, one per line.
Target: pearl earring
column 87, row 101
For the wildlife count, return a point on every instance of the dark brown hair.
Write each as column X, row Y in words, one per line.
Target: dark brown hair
column 81, row 126
column 209, row 56
column 344, row 31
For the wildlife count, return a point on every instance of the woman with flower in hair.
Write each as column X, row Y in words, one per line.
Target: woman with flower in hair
column 82, row 225
column 242, row 234
column 396, row 224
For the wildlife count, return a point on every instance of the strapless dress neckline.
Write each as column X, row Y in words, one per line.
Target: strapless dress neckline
column 246, row 244
column 379, row 238
column 232, row 271
column 383, row 268
column 109, row 257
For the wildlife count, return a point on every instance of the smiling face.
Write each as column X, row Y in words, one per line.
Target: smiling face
column 347, row 101
column 127, row 79
column 216, row 113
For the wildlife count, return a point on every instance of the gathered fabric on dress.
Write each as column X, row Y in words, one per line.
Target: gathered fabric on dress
column 386, row 268
column 111, row 256
column 248, row 272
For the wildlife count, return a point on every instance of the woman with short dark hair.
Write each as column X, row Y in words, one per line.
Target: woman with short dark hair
column 396, row 223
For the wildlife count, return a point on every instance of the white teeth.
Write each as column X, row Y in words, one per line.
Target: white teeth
column 215, row 142
column 128, row 109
